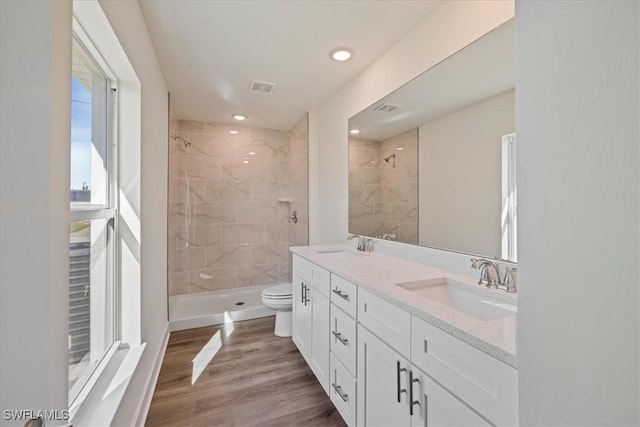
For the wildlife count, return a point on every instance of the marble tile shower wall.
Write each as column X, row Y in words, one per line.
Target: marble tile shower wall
column 364, row 187
column 227, row 228
column 398, row 208
column 383, row 198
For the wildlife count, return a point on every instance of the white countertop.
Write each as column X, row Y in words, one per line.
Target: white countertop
column 378, row 273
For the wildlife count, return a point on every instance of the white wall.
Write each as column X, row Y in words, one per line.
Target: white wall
column 35, row 69
column 447, row 29
column 460, row 177
column 129, row 26
column 34, row 221
column 577, row 122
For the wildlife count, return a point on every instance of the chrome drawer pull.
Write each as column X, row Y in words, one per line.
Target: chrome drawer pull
column 340, row 294
column 340, row 338
column 400, row 390
column 342, row 394
column 411, row 401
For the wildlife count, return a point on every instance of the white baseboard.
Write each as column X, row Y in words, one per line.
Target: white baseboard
column 145, row 402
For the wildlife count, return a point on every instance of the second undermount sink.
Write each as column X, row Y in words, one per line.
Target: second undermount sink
column 474, row 302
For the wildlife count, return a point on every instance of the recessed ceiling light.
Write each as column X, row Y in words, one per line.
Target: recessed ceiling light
column 245, row 161
column 341, row 54
column 354, row 131
column 252, row 153
column 239, row 117
column 400, row 148
column 233, row 132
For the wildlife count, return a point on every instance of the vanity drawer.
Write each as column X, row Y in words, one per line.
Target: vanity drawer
column 343, row 338
column 319, row 278
column 483, row 382
column 342, row 391
column 343, row 294
column 390, row 323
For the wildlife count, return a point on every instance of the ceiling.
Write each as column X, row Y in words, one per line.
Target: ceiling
column 483, row 69
column 211, row 51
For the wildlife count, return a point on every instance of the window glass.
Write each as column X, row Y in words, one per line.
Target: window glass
column 89, row 117
column 90, row 299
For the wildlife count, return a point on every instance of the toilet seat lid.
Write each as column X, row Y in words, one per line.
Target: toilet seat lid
column 284, row 290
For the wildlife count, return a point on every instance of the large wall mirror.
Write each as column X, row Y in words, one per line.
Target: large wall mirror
column 433, row 163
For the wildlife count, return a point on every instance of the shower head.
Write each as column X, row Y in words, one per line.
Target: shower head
column 184, row 141
column 388, row 159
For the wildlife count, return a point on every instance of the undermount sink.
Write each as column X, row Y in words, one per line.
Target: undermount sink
column 477, row 303
column 340, row 252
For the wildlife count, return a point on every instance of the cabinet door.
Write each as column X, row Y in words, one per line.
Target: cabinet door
column 301, row 317
column 435, row 406
column 383, row 379
column 320, row 336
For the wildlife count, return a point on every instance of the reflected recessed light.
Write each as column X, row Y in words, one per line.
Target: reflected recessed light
column 400, row 148
column 233, row 132
column 341, row 54
column 252, row 153
column 245, row 161
column 239, row 117
column 354, row 131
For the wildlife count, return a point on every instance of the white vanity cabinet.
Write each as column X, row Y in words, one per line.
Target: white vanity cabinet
column 310, row 317
column 382, row 383
column 484, row 383
column 433, row 405
column 383, row 366
column 343, row 347
column 301, row 316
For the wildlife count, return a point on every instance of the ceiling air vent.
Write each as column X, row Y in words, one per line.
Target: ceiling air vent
column 386, row 107
column 265, row 88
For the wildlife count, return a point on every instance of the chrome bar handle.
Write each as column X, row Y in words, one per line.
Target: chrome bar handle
column 340, row 338
column 411, row 401
column 344, row 396
column 341, row 294
column 302, row 292
column 399, row 371
column 306, row 294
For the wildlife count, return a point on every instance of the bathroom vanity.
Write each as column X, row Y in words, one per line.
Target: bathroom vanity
column 394, row 342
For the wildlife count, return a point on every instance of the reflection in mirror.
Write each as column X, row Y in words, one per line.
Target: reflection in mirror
column 433, row 162
column 383, row 187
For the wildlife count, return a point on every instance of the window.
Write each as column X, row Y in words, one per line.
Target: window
column 93, row 296
column 509, row 199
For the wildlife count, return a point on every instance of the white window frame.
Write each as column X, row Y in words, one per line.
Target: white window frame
column 509, row 217
column 109, row 211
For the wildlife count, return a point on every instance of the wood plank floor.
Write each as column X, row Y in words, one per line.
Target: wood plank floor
column 255, row 379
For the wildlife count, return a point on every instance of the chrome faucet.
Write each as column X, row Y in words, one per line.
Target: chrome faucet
column 365, row 244
column 389, row 236
column 490, row 275
column 489, row 272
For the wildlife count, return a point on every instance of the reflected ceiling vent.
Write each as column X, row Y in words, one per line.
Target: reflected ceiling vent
column 386, row 107
column 265, row 88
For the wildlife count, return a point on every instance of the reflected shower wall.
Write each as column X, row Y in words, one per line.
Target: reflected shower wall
column 230, row 199
column 383, row 186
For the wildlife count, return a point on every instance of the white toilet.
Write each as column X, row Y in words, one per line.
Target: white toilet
column 280, row 299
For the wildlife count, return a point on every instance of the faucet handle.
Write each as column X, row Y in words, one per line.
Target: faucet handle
column 510, row 280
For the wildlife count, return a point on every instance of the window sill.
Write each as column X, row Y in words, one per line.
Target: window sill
column 99, row 406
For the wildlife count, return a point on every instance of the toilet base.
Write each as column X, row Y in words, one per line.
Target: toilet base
column 283, row 323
